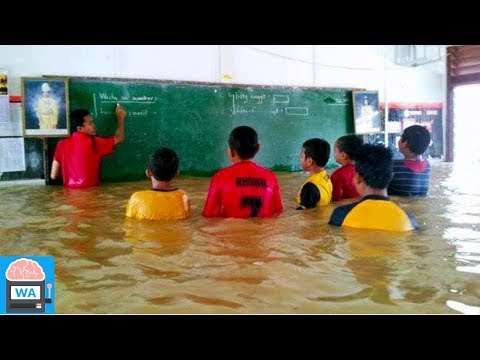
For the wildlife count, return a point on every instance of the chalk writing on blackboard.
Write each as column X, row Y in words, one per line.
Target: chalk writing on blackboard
column 244, row 103
column 109, row 98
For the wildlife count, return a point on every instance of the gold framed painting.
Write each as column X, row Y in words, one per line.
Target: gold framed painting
column 3, row 84
column 365, row 112
column 46, row 107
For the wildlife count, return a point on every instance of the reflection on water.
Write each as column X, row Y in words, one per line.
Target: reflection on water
column 297, row 263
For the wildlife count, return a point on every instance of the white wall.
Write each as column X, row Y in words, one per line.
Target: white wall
column 352, row 66
column 357, row 66
column 273, row 65
column 415, row 85
column 172, row 62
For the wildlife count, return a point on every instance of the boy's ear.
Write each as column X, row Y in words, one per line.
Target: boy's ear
column 358, row 179
column 230, row 152
column 309, row 160
column 258, row 149
column 148, row 173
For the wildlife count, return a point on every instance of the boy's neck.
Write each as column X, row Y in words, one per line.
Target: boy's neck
column 161, row 185
column 348, row 162
column 372, row 191
column 315, row 169
column 236, row 160
column 413, row 157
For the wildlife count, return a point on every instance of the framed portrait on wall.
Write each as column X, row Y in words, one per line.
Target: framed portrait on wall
column 46, row 108
column 3, row 83
column 365, row 112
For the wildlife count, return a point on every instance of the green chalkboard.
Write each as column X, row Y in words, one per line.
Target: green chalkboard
column 195, row 120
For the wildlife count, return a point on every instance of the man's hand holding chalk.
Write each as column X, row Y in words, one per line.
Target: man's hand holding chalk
column 120, row 112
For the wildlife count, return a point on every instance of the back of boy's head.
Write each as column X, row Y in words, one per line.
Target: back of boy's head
column 417, row 137
column 77, row 118
column 349, row 144
column 244, row 141
column 318, row 150
column 163, row 164
column 374, row 163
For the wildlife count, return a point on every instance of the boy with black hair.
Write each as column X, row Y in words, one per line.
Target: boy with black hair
column 373, row 171
column 317, row 189
column 163, row 201
column 344, row 152
column 411, row 176
column 77, row 158
column 243, row 189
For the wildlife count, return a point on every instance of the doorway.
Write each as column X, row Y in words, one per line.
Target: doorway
column 466, row 132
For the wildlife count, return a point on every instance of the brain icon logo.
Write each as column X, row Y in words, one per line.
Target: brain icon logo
column 25, row 270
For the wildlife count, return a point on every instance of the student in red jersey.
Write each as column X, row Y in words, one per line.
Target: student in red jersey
column 243, row 189
column 77, row 158
column 342, row 179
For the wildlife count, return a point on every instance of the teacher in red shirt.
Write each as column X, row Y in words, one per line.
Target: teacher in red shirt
column 77, row 158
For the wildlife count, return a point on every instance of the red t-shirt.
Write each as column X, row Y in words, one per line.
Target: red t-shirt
column 343, row 183
column 243, row 190
column 80, row 156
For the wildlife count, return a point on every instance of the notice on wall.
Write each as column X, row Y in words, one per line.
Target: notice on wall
column 13, row 127
column 4, row 103
column 13, row 154
column 4, row 109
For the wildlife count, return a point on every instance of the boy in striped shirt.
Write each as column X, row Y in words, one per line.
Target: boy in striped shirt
column 411, row 176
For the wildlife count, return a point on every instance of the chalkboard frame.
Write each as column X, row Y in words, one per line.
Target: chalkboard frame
column 200, row 172
column 204, row 83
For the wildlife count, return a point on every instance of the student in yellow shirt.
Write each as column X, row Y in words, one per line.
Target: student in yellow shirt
column 317, row 190
column 163, row 201
column 375, row 211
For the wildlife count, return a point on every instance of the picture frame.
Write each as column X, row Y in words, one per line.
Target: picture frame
column 46, row 107
column 3, row 82
column 366, row 112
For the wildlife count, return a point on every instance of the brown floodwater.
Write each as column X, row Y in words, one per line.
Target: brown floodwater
column 296, row 263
